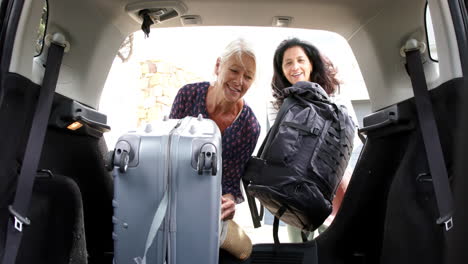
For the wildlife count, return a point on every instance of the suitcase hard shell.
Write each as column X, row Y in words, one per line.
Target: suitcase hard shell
column 185, row 157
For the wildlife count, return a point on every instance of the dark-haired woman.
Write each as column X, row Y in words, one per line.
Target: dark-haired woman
column 297, row 60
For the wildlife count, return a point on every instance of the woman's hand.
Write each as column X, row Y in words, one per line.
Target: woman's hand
column 228, row 207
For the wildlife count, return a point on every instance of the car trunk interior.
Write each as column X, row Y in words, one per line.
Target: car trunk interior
column 389, row 211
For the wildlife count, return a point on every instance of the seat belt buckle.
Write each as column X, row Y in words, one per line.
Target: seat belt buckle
column 447, row 221
column 448, row 224
column 19, row 219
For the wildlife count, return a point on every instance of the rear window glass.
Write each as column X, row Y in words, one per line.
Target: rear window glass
column 148, row 72
column 41, row 31
column 430, row 35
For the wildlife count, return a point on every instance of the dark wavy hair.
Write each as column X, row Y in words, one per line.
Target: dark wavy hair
column 323, row 70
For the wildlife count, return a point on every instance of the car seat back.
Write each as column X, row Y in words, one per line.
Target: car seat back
column 56, row 234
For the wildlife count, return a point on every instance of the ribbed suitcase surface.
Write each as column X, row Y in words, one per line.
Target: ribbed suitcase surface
column 183, row 156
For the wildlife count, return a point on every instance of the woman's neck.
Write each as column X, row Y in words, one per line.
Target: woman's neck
column 222, row 112
column 217, row 105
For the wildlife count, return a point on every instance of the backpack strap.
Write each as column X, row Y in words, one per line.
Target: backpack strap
column 260, row 150
column 288, row 102
column 341, row 117
column 256, row 216
column 430, row 134
column 280, row 213
column 304, row 236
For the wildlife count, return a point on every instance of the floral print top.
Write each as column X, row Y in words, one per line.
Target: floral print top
column 238, row 140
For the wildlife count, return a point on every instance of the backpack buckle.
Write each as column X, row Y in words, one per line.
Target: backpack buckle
column 19, row 219
column 315, row 131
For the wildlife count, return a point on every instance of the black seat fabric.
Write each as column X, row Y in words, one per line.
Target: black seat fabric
column 389, row 211
column 84, row 163
column 56, row 234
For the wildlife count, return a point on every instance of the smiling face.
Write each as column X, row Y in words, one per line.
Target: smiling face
column 235, row 76
column 296, row 65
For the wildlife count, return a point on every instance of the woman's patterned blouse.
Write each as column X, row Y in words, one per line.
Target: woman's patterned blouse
column 238, row 140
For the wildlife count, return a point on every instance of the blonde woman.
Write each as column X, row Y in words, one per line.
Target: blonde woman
column 222, row 101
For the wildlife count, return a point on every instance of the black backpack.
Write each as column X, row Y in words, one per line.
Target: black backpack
column 302, row 159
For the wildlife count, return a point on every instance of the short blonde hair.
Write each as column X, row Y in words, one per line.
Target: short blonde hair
column 238, row 47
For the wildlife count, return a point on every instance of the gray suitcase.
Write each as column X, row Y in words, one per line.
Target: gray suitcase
column 180, row 156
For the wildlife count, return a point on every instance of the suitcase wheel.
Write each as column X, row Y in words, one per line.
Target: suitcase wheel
column 123, row 162
column 214, row 166
column 201, row 163
column 207, row 160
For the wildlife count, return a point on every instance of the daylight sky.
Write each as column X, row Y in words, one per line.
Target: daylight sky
column 196, row 49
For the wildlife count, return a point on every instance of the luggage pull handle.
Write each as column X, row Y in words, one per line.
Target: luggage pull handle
column 207, row 159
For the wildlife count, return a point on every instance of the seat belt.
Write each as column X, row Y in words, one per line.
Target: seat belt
column 32, row 154
column 427, row 123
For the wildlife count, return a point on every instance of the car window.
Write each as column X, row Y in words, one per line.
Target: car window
column 431, row 43
column 41, row 31
column 148, row 72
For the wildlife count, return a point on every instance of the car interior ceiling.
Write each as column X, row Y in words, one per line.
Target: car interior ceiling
column 73, row 192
